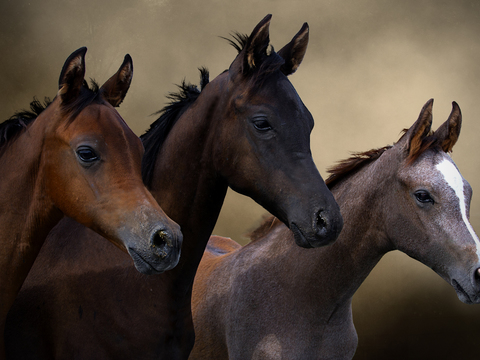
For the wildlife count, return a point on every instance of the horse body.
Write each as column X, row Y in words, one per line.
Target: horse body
column 256, row 302
column 247, row 129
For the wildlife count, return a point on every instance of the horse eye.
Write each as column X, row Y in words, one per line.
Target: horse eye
column 87, row 154
column 262, row 125
column 423, row 197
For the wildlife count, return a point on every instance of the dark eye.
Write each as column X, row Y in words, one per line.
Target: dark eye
column 423, row 196
column 262, row 125
column 87, row 154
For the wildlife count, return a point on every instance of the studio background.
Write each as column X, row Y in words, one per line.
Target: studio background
column 369, row 68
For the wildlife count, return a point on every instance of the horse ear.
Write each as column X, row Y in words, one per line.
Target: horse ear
column 294, row 51
column 420, row 129
column 257, row 43
column 72, row 76
column 254, row 49
column 447, row 134
column 115, row 88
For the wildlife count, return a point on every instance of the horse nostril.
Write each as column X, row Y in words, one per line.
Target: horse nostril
column 477, row 274
column 161, row 240
column 321, row 222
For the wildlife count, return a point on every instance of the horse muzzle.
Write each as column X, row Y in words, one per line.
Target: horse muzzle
column 468, row 292
column 324, row 230
column 161, row 253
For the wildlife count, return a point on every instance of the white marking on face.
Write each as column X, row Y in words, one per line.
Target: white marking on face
column 455, row 180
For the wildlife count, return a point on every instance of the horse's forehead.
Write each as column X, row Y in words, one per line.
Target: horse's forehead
column 101, row 117
column 280, row 85
column 460, row 188
column 450, row 173
column 103, row 122
column 272, row 88
column 278, row 94
column 437, row 167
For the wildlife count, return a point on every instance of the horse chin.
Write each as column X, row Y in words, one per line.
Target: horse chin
column 300, row 239
column 463, row 296
column 319, row 239
column 147, row 268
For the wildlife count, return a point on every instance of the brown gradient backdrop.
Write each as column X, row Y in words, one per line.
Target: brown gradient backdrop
column 369, row 68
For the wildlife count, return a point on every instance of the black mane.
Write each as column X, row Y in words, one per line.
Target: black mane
column 19, row 121
column 239, row 41
column 155, row 136
column 88, row 95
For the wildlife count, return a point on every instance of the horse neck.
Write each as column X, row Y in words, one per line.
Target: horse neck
column 26, row 213
column 345, row 264
column 185, row 183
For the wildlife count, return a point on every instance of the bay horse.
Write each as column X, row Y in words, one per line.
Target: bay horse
column 76, row 156
column 257, row 302
column 247, row 129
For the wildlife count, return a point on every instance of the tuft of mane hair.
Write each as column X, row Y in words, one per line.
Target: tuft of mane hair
column 93, row 87
column 269, row 61
column 155, row 136
column 430, row 141
column 239, row 41
column 88, row 95
column 348, row 166
column 18, row 122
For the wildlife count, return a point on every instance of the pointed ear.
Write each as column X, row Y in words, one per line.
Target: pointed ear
column 257, row 43
column 294, row 51
column 447, row 134
column 420, row 129
column 72, row 75
column 115, row 88
column 255, row 48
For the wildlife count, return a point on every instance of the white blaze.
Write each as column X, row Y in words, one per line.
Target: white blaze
column 455, row 180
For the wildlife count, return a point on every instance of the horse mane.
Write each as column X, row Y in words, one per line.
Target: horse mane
column 345, row 167
column 238, row 41
column 155, row 136
column 88, row 95
column 428, row 142
column 18, row 122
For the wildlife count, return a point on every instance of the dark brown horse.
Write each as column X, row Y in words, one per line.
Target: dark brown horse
column 77, row 157
column 247, row 129
column 257, row 302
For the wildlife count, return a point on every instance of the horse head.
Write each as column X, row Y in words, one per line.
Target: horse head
column 431, row 220
column 92, row 167
column 269, row 128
